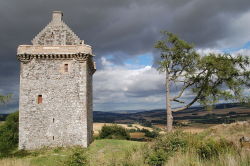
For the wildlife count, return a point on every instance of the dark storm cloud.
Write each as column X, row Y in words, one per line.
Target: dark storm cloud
column 119, row 28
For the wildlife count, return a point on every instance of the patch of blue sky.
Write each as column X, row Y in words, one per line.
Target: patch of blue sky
column 232, row 50
column 141, row 60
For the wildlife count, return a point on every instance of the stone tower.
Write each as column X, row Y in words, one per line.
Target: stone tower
column 55, row 105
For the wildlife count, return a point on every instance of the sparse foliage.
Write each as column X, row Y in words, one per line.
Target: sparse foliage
column 209, row 78
column 5, row 99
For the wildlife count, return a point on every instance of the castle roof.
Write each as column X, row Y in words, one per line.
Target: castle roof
column 56, row 33
column 56, row 41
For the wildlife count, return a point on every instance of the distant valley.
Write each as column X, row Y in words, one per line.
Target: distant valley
column 221, row 113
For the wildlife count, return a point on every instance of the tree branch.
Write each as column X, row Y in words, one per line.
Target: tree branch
column 178, row 101
column 182, row 91
column 195, row 99
column 188, row 105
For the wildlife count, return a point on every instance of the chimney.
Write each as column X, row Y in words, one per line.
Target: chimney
column 57, row 17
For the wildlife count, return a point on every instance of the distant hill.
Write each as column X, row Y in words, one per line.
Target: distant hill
column 221, row 113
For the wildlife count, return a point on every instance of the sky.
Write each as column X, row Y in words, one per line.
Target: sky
column 122, row 34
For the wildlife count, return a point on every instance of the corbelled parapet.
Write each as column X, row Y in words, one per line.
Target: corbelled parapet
column 81, row 53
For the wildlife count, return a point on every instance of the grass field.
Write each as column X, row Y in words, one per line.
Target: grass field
column 101, row 152
column 108, row 152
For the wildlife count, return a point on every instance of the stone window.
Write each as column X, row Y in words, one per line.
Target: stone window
column 66, row 67
column 39, row 99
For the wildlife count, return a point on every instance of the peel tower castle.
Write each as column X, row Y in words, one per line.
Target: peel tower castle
column 55, row 103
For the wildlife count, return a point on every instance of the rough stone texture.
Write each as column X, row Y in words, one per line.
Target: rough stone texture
column 56, row 33
column 64, row 118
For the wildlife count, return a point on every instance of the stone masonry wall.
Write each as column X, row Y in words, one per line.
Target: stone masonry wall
column 62, row 118
column 89, row 104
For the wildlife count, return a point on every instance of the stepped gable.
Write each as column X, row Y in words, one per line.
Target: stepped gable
column 56, row 33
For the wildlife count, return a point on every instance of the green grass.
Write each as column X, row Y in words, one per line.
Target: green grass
column 110, row 150
column 1, row 123
column 100, row 152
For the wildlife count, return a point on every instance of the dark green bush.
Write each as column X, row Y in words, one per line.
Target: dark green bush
column 206, row 147
column 114, row 132
column 77, row 158
column 211, row 148
column 9, row 134
column 156, row 157
column 151, row 134
column 172, row 142
column 129, row 125
column 132, row 130
column 165, row 146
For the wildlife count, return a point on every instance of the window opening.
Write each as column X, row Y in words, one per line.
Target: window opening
column 40, row 99
column 66, row 67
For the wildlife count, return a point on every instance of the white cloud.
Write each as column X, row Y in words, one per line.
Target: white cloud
column 117, row 87
column 207, row 51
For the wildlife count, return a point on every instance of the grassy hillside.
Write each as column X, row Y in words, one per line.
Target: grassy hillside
column 131, row 153
column 101, row 152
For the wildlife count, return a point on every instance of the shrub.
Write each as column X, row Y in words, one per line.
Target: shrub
column 211, row 148
column 172, row 142
column 151, row 134
column 114, row 132
column 9, row 134
column 206, row 148
column 77, row 158
column 132, row 130
column 165, row 146
column 156, row 158
column 130, row 125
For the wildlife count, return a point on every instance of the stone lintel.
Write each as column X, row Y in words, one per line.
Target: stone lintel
column 48, row 50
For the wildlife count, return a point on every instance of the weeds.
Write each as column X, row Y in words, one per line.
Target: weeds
column 77, row 158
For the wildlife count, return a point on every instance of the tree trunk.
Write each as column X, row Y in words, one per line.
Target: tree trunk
column 168, row 104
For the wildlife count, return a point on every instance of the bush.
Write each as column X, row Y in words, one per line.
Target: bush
column 151, row 134
column 77, row 158
column 211, row 148
column 9, row 134
column 165, row 146
column 114, row 132
column 129, row 125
